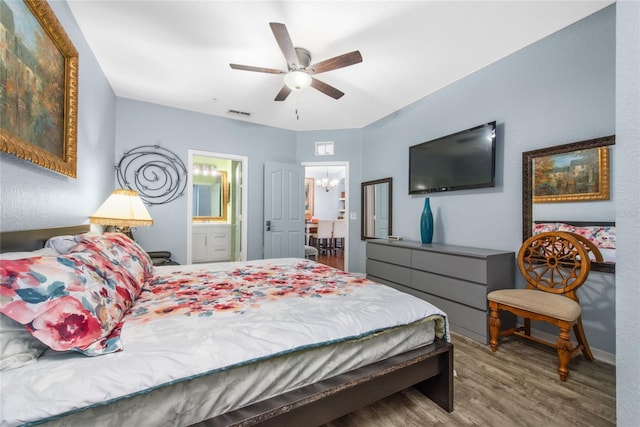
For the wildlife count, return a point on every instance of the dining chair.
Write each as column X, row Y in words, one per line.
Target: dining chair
column 324, row 235
column 339, row 234
column 555, row 264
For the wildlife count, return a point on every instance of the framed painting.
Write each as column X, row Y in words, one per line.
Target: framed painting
column 574, row 174
column 309, row 184
column 38, row 116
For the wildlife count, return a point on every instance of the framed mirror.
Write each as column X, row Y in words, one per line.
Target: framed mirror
column 210, row 198
column 376, row 216
column 560, row 188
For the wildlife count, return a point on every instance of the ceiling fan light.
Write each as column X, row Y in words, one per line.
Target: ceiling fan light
column 297, row 80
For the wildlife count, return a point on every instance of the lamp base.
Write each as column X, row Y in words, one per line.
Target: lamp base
column 124, row 230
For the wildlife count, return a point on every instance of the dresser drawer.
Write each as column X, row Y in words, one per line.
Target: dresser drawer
column 393, row 273
column 390, row 254
column 466, row 268
column 463, row 292
column 460, row 316
column 468, row 318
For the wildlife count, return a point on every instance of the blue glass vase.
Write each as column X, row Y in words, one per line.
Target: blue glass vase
column 426, row 223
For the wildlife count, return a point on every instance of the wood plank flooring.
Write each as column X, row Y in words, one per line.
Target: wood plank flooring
column 332, row 260
column 516, row 386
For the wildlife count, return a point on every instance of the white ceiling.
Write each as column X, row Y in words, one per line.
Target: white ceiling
column 177, row 53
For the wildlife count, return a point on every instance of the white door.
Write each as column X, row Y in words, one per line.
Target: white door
column 284, row 227
column 382, row 210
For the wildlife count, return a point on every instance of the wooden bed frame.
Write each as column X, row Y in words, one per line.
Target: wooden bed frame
column 429, row 369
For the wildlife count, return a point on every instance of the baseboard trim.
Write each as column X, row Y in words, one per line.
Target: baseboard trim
column 598, row 354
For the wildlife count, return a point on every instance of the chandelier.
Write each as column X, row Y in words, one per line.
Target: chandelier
column 327, row 185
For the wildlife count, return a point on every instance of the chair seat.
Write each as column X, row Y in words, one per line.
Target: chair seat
column 310, row 252
column 547, row 304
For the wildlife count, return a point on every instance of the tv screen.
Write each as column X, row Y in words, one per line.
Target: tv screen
column 459, row 161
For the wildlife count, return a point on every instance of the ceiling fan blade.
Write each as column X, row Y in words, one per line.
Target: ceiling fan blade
column 286, row 46
column 336, row 62
column 326, row 89
column 256, row 69
column 284, row 92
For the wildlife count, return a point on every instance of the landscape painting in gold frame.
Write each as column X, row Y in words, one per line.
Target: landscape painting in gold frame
column 40, row 110
column 572, row 176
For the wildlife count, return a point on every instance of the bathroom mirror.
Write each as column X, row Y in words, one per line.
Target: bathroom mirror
column 376, row 217
column 561, row 184
column 210, row 198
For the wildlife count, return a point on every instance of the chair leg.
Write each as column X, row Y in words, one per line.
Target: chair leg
column 582, row 339
column 564, row 351
column 527, row 326
column 494, row 325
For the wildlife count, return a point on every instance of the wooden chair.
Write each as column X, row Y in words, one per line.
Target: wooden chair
column 555, row 264
column 323, row 237
column 339, row 234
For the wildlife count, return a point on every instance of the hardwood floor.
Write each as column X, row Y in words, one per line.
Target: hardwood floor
column 332, row 260
column 516, row 386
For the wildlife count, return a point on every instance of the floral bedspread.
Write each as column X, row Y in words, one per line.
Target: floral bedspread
column 203, row 292
column 190, row 321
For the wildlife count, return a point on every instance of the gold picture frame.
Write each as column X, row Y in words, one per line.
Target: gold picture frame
column 41, row 123
column 572, row 176
column 309, row 188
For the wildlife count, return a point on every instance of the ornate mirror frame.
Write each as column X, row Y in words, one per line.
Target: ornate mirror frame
column 527, row 183
column 363, row 204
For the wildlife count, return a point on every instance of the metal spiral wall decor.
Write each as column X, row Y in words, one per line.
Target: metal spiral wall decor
column 157, row 174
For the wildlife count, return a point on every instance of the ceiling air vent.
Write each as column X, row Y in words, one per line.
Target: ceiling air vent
column 239, row 113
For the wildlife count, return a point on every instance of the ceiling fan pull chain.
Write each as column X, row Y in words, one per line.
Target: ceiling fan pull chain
column 297, row 115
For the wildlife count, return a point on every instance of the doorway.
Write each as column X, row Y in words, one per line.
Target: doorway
column 216, row 207
column 327, row 198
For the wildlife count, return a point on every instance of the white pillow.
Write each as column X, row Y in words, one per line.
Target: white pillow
column 17, row 346
column 61, row 244
column 64, row 244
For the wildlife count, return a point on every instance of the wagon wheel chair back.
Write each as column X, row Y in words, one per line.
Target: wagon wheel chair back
column 554, row 264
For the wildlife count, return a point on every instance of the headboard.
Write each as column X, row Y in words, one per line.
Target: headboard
column 30, row 240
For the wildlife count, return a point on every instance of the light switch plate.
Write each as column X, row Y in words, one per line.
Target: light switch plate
column 353, row 215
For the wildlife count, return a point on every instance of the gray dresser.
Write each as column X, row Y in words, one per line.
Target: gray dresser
column 454, row 278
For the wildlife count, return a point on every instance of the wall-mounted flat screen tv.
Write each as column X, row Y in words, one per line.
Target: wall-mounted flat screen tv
column 459, row 161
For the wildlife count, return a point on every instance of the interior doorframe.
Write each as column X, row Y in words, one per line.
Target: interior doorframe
column 245, row 199
column 347, row 212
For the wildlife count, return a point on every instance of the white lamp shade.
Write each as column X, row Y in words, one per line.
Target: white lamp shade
column 123, row 208
column 297, row 80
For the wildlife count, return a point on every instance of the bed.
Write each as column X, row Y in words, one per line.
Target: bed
column 175, row 357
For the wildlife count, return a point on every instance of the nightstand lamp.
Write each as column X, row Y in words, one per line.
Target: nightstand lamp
column 122, row 210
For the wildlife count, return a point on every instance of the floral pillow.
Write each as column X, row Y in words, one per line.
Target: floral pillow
column 69, row 302
column 544, row 227
column 122, row 252
column 603, row 237
column 17, row 346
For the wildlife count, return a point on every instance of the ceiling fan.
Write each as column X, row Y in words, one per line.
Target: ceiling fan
column 299, row 71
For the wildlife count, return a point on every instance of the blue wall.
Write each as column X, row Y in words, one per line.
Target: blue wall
column 556, row 91
column 35, row 197
column 348, row 148
column 139, row 123
column 627, row 211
